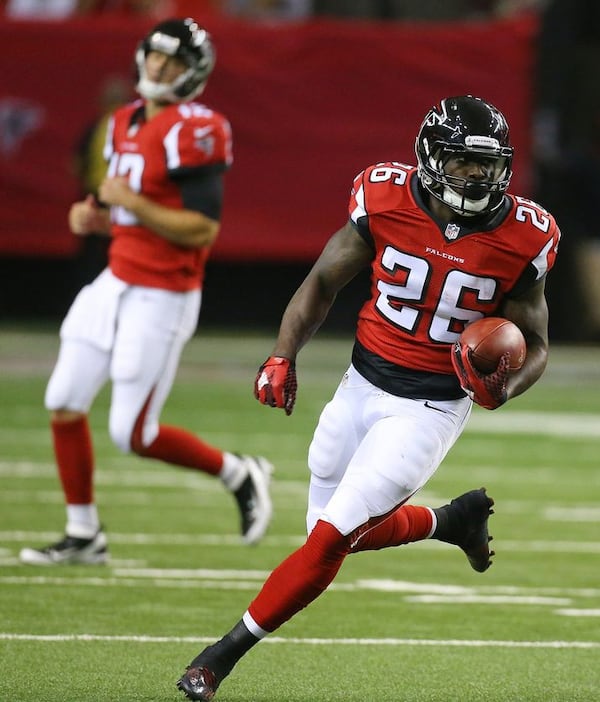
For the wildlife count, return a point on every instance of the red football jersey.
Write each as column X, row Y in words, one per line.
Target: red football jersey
column 183, row 138
column 428, row 279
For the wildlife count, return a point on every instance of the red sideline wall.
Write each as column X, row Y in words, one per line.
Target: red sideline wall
column 311, row 105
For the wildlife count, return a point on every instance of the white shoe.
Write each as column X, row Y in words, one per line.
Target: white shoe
column 69, row 550
column 253, row 498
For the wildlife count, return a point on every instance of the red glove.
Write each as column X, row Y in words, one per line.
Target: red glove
column 486, row 389
column 276, row 383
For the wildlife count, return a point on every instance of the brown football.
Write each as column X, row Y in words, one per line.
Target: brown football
column 491, row 337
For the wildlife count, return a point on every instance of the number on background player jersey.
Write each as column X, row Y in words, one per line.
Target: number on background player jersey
column 130, row 166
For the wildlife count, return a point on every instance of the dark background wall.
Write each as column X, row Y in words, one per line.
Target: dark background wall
column 242, row 295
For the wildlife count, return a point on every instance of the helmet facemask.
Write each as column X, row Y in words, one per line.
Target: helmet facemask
column 457, row 133
column 468, row 197
column 190, row 43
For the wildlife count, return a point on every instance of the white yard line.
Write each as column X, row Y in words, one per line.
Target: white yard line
column 579, row 612
column 555, row 424
column 469, row 643
column 577, row 513
column 489, row 600
column 293, row 540
column 507, row 421
column 561, row 600
column 128, row 576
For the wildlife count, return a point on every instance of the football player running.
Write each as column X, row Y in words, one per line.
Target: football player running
column 161, row 204
column 446, row 244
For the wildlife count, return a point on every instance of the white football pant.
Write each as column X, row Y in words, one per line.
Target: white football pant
column 371, row 451
column 131, row 335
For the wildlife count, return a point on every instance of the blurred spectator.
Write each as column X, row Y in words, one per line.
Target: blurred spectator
column 90, row 168
column 505, row 8
column 62, row 9
column 155, row 9
column 198, row 8
column 433, row 10
column 566, row 142
column 268, row 9
column 43, row 9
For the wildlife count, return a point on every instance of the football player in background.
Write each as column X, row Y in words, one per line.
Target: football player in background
column 446, row 245
column 161, row 203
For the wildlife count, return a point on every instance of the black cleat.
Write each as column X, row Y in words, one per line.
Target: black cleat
column 211, row 666
column 69, row 550
column 198, row 683
column 253, row 499
column 466, row 526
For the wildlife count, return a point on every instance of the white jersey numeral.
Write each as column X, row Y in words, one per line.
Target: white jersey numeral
column 394, row 300
column 130, row 166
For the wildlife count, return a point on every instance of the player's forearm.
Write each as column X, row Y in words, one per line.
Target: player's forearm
column 532, row 370
column 182, row 227
column 530, row 314
column 303, row 316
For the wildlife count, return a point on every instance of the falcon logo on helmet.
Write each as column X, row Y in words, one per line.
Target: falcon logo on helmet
column 190, row 43
column 472, row 128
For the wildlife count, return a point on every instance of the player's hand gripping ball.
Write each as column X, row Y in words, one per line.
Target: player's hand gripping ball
column 276, row 383
column 487, row 351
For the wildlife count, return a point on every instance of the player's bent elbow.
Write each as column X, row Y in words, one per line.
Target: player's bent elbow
column 206, row 236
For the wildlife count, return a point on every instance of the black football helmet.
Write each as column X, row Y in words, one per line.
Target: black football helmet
column 187, row 40
column 468, row 126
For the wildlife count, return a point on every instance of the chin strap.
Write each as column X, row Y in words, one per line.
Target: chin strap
column 457, row 202
column 151, row 90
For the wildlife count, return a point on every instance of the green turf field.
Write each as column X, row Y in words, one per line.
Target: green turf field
column 413, row 624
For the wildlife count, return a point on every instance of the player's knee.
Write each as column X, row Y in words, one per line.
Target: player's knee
column 132, row 437
column 59, row 396
column 347, row 510
column 137, row 443
column 121, row 434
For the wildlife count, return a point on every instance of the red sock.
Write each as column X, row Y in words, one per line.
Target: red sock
column 182, row 448
column 408, row 523
column 74, row 459
column 301, row 578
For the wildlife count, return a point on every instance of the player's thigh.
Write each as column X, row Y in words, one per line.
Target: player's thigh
column 153, row 327
column 397, row 456
column 330, row 451
column 93, row 315
column 80, row 371
column 150, row 322
column 337, row 436
column 339, row 431
column 183, row 332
